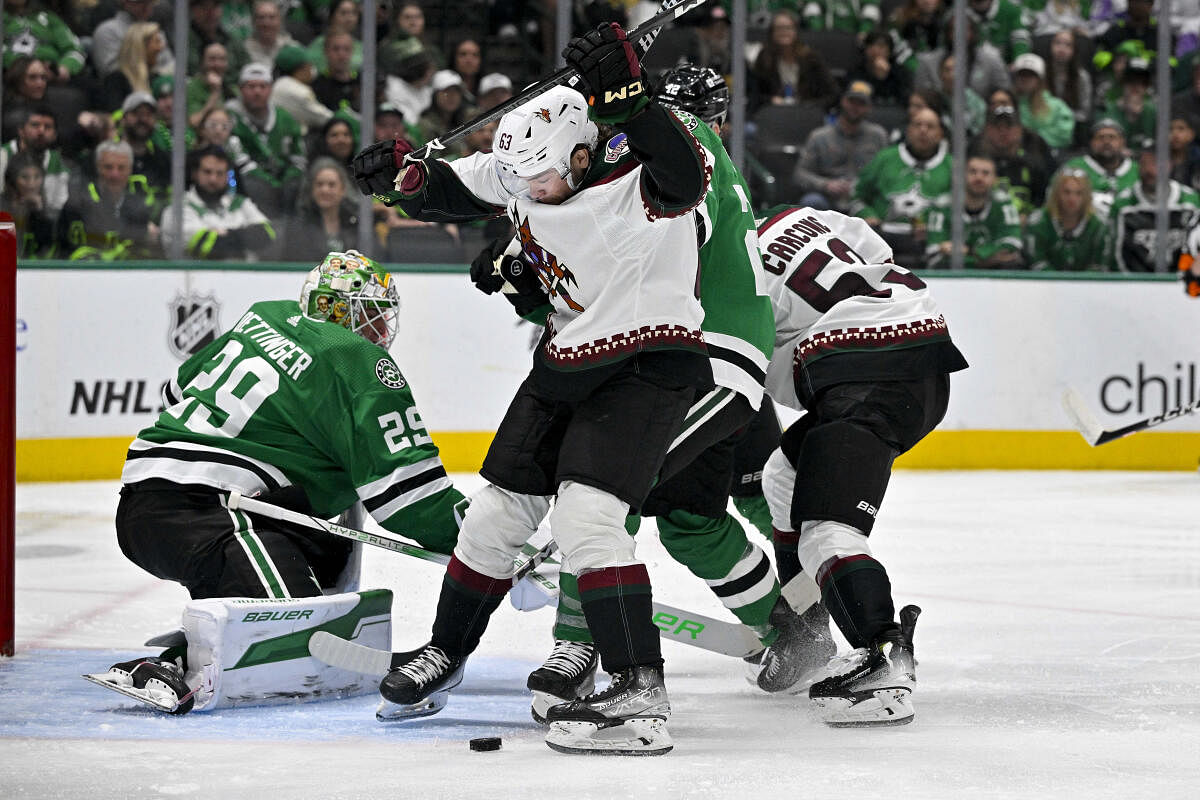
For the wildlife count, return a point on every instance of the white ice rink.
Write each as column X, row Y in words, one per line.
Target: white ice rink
column 1059, row 657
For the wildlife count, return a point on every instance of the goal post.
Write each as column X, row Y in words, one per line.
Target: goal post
column 8, row 432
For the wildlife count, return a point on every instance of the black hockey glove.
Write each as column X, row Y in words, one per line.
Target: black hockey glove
column 611, row 73
column 376, row 166
column 491, row 269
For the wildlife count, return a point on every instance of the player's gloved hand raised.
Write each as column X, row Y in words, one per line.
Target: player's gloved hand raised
column 491, row 269
column 611, row 72
column 375, row 169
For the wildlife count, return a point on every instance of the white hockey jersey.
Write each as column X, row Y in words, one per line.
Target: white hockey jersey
column 835, row 290
column 620, row 278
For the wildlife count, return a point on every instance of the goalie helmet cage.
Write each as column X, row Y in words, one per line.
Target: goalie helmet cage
column 8, row 431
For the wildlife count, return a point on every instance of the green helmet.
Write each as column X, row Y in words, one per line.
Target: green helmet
column 353, row 291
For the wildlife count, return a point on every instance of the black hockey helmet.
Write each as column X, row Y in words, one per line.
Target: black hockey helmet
column 697, row 90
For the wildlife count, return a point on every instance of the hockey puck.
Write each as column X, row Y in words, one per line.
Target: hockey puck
column 485, row 744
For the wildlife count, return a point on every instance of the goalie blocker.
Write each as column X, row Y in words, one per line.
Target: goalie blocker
column 246, row 652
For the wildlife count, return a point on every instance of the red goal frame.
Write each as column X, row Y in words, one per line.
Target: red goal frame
column 8, row 432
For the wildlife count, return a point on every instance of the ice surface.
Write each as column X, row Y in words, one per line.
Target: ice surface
column 1058, row 653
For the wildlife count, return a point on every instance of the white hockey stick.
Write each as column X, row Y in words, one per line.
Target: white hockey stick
column 1096, row 434
column 676, row 624
column 385, row 539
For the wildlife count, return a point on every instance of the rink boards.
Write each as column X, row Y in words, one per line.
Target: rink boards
column 95, row 344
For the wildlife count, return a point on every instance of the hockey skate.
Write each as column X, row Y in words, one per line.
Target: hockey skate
column 420, row 686
column 871, row 686
column 801, row 651
column 629, row 718
column 568, row 673
column 156, row 682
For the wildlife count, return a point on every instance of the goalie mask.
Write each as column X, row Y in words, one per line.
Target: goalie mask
column 351, row 290
column 700, row 91
column 542, row 135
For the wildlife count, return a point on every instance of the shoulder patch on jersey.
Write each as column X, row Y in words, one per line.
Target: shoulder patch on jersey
column 689, row 121
column 294, row 321
column 389, row 374
column 617, row 146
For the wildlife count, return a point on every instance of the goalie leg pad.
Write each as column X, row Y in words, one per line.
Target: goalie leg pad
column 244, row 651
column 841, row 475
column 495, row 527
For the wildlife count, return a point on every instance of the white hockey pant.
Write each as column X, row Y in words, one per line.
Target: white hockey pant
column 589, row 526
column 497, row 523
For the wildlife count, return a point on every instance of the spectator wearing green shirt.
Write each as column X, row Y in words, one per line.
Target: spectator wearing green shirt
column 1134, row 108
column 991, row 224
column 1107, row 164
column 898, row 185
column 31, row 30
column 1041, row 112
column 1004, row 24
column 1066, row 235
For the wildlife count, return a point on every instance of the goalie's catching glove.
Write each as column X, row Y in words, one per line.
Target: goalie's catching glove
column 491, row 269
column 376, row 167
column 611, row 73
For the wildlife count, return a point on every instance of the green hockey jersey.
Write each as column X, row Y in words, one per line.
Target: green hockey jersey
column 855, row 16
column 739, row 325
column 896, row 187
column 282, row 400
column 1006, row 25
column 274, row 152
column 1049, row 246
column 43, row 35
column 995, row 227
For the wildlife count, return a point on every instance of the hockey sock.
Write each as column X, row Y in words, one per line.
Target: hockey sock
column 618, row 607
column 787, row 560
column 858, row 594
column 569, row 623
column 756, row 511
column 465, row 605
column 738, row 572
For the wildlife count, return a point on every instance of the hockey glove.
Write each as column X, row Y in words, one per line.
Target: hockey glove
column 491, row 269
column 611, row 73
column 375, row 169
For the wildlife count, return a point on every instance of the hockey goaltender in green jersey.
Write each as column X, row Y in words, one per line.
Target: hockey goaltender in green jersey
column 303, row 406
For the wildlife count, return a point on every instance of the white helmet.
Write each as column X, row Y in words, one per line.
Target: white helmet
column 540, row 135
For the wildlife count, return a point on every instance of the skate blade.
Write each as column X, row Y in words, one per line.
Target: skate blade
column 640, row 736
column 161, row 699
column 395, row 712
column 542, row 701
column 878, row 708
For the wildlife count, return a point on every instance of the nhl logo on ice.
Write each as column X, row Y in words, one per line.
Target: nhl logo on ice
column 193, row 323
column 389, row 374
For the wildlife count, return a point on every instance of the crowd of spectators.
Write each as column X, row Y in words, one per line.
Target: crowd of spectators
column 1060, row 113
column 274, row 113
column 1061, row 117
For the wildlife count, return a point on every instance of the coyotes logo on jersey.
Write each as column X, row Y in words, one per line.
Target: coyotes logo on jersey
column 555, row 277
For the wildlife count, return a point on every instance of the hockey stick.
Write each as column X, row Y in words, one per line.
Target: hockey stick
column 642, row 37
column 675, row 624
column 385, row 540
column 1096, row 434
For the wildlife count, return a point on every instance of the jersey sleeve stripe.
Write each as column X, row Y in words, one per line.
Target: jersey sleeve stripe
column 180, row 466
column 425, row 489
column 269, row 472
column 402, row 473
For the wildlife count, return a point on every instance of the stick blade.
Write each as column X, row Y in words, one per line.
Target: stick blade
column 350, row 656
column 1082, row 417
